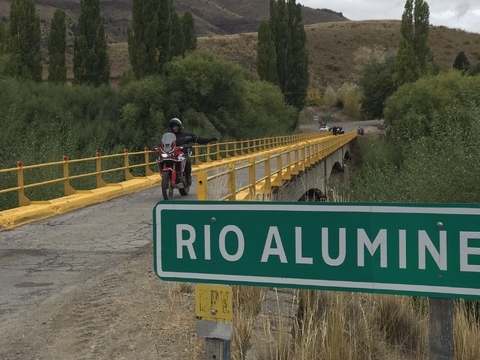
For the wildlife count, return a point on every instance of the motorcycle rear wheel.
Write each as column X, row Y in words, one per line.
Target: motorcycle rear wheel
column 167, row 189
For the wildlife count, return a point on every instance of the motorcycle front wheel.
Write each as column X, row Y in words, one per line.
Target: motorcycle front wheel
column 184, row 191
column 167, row 189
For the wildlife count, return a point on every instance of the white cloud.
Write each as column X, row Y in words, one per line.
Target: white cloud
column 463, row 14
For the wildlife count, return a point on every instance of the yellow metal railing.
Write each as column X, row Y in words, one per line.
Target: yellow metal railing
column 306, row 149
column 299, row 157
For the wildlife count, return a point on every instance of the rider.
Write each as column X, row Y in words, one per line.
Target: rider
column 177, row 129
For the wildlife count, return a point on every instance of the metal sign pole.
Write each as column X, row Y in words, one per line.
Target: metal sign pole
column 440, row 336
column 215, row 349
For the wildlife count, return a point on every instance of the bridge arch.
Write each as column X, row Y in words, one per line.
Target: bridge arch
column 317, row 182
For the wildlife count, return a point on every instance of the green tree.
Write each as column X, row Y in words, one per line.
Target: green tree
column 164, row 31
column 279, row 26
column 266, row 54
column 188, row 29
column 178, row 39
column 413, row 49
column 91, row 63
column 25, row 39
column 3, row 38
column 57, row 46
column 421, row 18
column 298, row 77
column 8, row 65
column 461, row 62
column 406, row 65
column 291, row 55
column 142, row 38
column 377, row 69
column 433, row 105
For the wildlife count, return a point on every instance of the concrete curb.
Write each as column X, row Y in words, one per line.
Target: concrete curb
column 40, row 210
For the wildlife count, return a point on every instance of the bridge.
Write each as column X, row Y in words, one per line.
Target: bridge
column 64, row 271
column 281, row 168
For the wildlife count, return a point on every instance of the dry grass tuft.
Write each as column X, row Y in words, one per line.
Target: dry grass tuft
column 247, row 301
column 466, row 331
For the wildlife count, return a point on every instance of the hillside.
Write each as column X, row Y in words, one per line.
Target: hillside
column 332, row 48
column 212, row 17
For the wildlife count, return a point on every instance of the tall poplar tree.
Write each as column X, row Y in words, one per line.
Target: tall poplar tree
column 25, row 39
column 266, row 54
column 297, row 75
column 421, row 21
column 142, row 38
column 461, row 62
column 91, row 63
column 164, row 31
column 290, row 48
column 177, row 37
column 57, row 46
column 188, row 29
column 413, row 49
column 3, row 37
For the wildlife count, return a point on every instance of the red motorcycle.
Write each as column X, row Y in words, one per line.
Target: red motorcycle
column 171, row 165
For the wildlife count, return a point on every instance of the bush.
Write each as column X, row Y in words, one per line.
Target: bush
column 314, row 98
column 330, row 97
column 433, row 105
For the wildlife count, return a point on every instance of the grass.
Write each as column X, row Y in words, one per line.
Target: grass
column 356, row 326
column 331, row 47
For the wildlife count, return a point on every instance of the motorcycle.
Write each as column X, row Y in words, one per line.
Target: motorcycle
column 171, row 164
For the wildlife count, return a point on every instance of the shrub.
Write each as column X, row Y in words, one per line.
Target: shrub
column 330, row 97
column 314, row 98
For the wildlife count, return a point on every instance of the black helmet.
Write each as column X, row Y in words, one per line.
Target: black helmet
column 176, row 121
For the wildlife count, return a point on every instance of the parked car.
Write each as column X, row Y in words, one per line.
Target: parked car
column 324, row 127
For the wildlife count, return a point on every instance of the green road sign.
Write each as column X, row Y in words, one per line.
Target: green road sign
column 412, row 249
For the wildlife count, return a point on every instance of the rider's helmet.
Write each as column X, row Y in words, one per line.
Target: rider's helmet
column 175, row 121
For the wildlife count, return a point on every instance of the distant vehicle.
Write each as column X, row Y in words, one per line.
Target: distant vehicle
column 324, row 127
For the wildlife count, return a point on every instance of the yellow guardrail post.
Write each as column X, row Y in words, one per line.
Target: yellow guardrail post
column 128, row 175
column 22, row 199
column 288, row 173
column 308, row 154
column 278, row 180
column 98, row 165
column 304, row 158
column 295, row 169
column 67, row 189
column 252, row 178
column 227, row 152
column 268, row 174
column 232, row 183
column 202, row 186
column 209, row 159
column 316, row 151
column 148, row 172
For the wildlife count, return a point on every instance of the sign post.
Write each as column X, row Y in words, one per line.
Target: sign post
column 430, row 250
column 214, row 313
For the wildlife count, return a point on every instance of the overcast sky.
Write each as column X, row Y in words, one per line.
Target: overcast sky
column 459, row 14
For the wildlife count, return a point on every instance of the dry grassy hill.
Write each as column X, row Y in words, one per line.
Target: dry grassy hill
column 211, row 16
column 332, row 48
